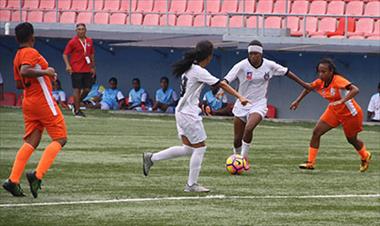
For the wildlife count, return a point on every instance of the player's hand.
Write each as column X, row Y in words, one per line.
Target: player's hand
column 69, row 69
column 51, row 72
column 337, row 102
column 244, row 101
column 294, row 105
column 93, row 72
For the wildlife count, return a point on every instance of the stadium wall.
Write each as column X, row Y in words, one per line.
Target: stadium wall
column 149, row 64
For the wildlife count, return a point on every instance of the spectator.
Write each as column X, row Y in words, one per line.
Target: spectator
column 95, row 95
column 1, row 87
column 215, row 103
column 137, row 97
column 59, row 95
column 112, row 98
column 81, row 66
column 373, row 113
column 166, row 97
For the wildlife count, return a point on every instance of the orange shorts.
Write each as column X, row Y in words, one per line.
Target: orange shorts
column 40, row 118
column 352, row 125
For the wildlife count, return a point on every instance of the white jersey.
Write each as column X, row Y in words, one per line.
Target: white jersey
column 253, row 82
column 374, row 106
column 192, row 82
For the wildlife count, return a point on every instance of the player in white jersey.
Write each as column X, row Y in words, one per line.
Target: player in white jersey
column 253, row 74
column 189, row 122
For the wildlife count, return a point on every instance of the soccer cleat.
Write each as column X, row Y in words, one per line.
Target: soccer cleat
column 13, row 188
column 307, row 166
column 196, row 188
column 247, row 167
column 147, row 162
column 79, row 114
column 365, row 163
column 34, row 183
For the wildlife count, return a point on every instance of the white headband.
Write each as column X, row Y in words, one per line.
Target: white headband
column 255, row 48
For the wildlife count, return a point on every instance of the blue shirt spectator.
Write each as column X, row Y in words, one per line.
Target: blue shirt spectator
column 166, row 97
column 112, row 97
column 137, row 97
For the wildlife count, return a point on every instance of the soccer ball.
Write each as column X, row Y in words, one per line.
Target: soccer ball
column 235, row 164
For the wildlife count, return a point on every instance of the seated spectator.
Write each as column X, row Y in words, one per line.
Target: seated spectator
column 166, row 97
column 112, row 98
column 373, row 113
column 94, row 97
column 215, row 103
column 59, row 95
column 137, row 97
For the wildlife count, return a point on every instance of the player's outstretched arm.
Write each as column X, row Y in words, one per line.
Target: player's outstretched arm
column 223, row 84
column 297, row 79
column 294, row 104
column 28, row 71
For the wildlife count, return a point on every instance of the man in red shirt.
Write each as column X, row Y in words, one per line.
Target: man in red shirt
column 81, row 65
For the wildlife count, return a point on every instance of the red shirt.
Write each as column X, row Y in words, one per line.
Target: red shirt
column 77, row 54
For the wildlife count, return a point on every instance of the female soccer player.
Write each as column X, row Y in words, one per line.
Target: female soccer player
column 33, row 74
column 342, row 109
column 253, row 74
column 189, row 123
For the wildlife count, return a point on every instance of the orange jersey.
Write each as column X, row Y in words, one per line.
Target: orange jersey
column 337, row 91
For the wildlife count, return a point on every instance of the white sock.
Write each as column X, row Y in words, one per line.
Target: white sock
column 245, row 149
column 195, row 165
column 172, row 152
column 237, row 150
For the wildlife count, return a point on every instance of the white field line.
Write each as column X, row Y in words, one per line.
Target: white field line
column 189, row 198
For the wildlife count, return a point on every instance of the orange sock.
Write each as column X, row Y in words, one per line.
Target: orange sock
column 19, row 164
column 47, row 158
column 363, row 152
column 312, row 155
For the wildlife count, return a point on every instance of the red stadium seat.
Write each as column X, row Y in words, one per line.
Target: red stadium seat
column 14, row 4
column 340, row 31
column 279, row 6
column 160, row 6
column 293, row 23
column 363, row 25
column 5, row 15
column 84, row 17
column 124, row 6
column 50, row 17
column 112, row 5
column 273, row 22
column 311, row 26
column 318, row 7
column 31, row 4
column 272, row 111
column 326, row 24
column 213, row 6
column 336, row 8
column 145, row 6
column 219, row 21
column 171, row 20
column 47, row 4
column 64, row 4
column 299, row 7
column 99, row 5
column 9, row 99
column 118, row 18
column 178, row 6
column 15, row 16
column 247, row 6
column 3, row 3
column 264, row 6
column 35, row 17
column 68, row 18
column 185, row 20
column 151, row 20
column 101, row 18
column 19, row 100
column 199, row 21
column 81, row 5
column 136, row 19
column 195, row 6
column 372, row 9
column 230, row 6
column 355, row 8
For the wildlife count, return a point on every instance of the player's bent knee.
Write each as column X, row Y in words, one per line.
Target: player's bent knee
column 62, row 141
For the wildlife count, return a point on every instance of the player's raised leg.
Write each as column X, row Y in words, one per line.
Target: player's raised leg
column 239, row 126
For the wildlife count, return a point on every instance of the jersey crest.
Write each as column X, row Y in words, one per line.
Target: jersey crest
column 249, row 75
column 266, row 76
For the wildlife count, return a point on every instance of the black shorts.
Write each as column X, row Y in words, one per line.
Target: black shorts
column 81, row 80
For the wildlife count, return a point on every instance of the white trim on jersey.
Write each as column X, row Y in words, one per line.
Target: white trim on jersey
column 47, row 95
column 349, row 104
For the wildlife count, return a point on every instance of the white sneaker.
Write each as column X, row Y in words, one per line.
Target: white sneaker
column 147, row 162
column 196, row 188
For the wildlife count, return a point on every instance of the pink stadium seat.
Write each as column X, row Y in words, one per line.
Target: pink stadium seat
column 363, row 25
column 326, row 24
column 213, row 6
column 13, row 4
column 5, row 15
column 47, row 4
column 311, row 26
column 112, row 5
column 101, row 18
column 318, row 7
column 171, row 20
column 64, row 4
column 124, row 6
column 68, row 18
column 151, row 20
column 264, row 6
column 293, row 24
column 3, row 3
column 9, row 99
column 279, row 6
column 273, row 22
column 35, row 17
column 336, row 8
column 247, row 6
column 355, row 37
column 195, row 6
column 236, row 21
column 160, row 6
column 81, row 5
column 84, row 17
column 178, row 6
column 185, row 20
column 252, row 22
column 50, row 17
column 118, row 18
column 136, row 19
column 145, row 6
column 229, row 6
column 199, row 21
column 99, row 5
column 372, row 9
column 31, row 4
column 15, row 16
column 219, row 21
column 374, row 37
column 299, row 7
column 355, row 8
column 376, row 30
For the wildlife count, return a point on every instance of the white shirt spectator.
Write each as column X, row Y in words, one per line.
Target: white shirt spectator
column 374, row 106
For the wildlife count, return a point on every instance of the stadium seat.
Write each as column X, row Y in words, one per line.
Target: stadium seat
column 272, row 111
column 336, row 8
column 112, row 5
column 64, row 4
column 15, row 16
column 213, row 6
column 19, row 100
column 50, row 17
column 293, row 23
column 247, row 6
column 199, row 21
column 376, row 31
column 151, row 20
column 99, row 5
column 14, row 4
column 178, row 6
column 171, row 20
column 273, row 22
column 135, row 19
column 230, row 6
column 47, row 4
column 374, row 37
column 31, row 4
column 145, row 6
column 35, row 17
column 299, row 7
column 81, row 5
column 264, row 6
column 124, row 6
column 5, row 15
column 3, row 3
column 252, row 22
column 372, row 9
column 340, row 31
column 195, row 6
column 279, row 6
column 118, row 18
column 219, row 21
column 101, row 18
column 84, row 17
column 363, row 26
column 318, row 7
column 160, row 6
column 326, row 24
column 354, row 8
column 9, row 99
column 311, row 26
column 355, row 37
column 68, row 18
column 185, row 20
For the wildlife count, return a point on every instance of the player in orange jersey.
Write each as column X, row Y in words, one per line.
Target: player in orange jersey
column 33, row 74
column 342, row 109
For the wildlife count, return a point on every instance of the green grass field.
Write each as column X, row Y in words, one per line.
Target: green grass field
column 102, row 161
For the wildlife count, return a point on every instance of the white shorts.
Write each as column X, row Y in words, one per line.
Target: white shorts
column 191, row 127
column 244, row 112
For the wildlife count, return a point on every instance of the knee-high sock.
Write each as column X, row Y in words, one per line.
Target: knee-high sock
column 20, row 162
column 245, row 149
column 195, row 165
column 47, row 158
column 172, row 152
column 363, row 152
column 237, row 150
column 312, row 155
